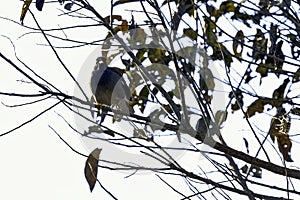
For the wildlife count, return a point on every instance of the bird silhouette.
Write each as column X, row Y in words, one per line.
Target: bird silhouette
column 109, row 88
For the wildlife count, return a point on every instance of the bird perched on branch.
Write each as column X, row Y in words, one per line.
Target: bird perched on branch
column 109, row 88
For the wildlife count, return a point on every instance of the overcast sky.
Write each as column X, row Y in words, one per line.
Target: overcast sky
column 35, row 163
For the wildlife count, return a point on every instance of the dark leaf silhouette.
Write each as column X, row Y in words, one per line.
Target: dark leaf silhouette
column 39, row 4
column 278, row 94
column 190, row 33
column 68, row 6
column 254, row 171
column 238, row 41
column 296, row 76
column 91, row 168
column 257, row 106
column 259, row 45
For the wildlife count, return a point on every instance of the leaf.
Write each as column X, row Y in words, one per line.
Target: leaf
column 254, row 171
column 137, row 36
column 123, row 27
column 263, row 69
column 279, row 58
column 140, row 133
column 190, row 33
column 225, row 7
column 39, row 4
column 143, row 97
column 279, row 130
column 274, row 35
column 295, row 111
column 246, row 144
column 239, row 102
column 91, row 168
column 125, row 1
column 109, row 18
column 68, row 6
column 259, row 45
column 285, row 145
column 207, row 78
column 25, row 8
column 278, row 94
column 238, row 41
column 257, row 106
column 221, row 117
column 202, row 128
column 296, row 76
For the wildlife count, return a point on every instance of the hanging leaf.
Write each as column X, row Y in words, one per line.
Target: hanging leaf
column 259, row 45
column 285, row 145
column 220, row 117
column 190, row 33
column 109, row 18
column 279, row 130
column 274, row 35
column 248, row 76
column 123, row 27
column 91, row 168
column 254, row 171
column 207, row 78
column 295, row 111
column 238, row 96
column 202, row 128
column 143, row 97
column 225, row 7
column 238, row 41
column 246, row 145
column 39, row 4
column 68, row 6
column 25, row 8
column 278, row 94
column 257, row 106
column 296, row 76
column 279, row 58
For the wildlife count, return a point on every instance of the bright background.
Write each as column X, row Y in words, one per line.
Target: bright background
column 35, row 163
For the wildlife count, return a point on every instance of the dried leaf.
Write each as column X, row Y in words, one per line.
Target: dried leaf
column 285, row 145
column 25, row 8
column 220, row 117
column 279, row 130
column 91, row 168
column 257, row 106
column 238, row 40
column 259, row 45
column 124, row 27
column 190, row 33
column 295, row 111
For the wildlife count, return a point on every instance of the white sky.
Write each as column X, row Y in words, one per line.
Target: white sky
column 35, row 164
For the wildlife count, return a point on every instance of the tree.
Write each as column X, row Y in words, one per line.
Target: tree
column 175, row 57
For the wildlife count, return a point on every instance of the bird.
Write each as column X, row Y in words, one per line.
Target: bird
column 109, row 88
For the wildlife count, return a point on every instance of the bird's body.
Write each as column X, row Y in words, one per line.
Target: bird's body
column 109, row 87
